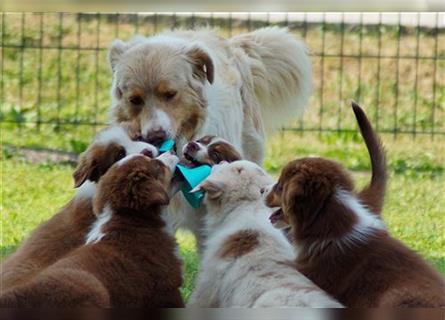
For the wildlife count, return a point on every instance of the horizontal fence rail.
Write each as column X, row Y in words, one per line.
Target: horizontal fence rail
column 56, row 79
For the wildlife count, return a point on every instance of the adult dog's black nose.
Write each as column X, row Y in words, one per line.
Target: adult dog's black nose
column 156, row 137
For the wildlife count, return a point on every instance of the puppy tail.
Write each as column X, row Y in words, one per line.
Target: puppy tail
column 372, row 195
column 280, row 71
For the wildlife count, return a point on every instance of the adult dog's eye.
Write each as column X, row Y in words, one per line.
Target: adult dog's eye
column 136, row 100
column 169, row 95
column 122, row 153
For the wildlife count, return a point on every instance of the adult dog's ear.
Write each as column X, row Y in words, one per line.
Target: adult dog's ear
column 115, row 52
column 203, row 64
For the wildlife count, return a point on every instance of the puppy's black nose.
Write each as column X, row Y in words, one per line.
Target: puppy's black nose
column 156, row 137
column 262, row 190
column 148, row 153
column 192, row 146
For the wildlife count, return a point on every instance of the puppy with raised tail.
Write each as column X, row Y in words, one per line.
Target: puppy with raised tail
column 66, row 230
column 128, row 259
column 246, row 261
column 343, row 245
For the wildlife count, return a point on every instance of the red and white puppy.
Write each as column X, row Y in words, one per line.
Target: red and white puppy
column 210, row 150
column 343, row 245
column 128, row 259
column 67, row 229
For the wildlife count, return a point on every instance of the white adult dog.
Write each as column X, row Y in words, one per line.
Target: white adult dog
column 246, row 261
column 185, row 84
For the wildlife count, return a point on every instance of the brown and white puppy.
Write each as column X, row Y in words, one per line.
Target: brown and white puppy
column 343, row 245
column 128, row 259
column 66, row 230
column 210, row 150
column 246, row 261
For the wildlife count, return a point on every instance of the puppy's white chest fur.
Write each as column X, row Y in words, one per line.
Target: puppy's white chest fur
column 96, row 233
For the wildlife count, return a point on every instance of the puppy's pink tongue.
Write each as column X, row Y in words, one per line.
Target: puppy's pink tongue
column 276, row 216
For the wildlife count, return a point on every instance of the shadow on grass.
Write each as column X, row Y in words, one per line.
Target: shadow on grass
column 40, row 155
column 7, row 250
column 439, row 263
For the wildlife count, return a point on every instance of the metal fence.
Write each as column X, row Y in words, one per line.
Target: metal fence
column 55, row 74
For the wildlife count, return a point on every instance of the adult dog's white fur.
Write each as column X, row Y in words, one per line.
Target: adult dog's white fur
column 261, row 274
column 192, row 83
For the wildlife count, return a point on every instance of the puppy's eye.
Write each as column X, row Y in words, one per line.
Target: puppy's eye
column 205, row 140
column 169, row 95
column 136, row 100
column 122, row 153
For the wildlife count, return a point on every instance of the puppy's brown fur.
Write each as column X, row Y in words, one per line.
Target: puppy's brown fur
column 51, row 240
column 379, row 271
column 132, row 265
column 94, row 162
column 239, row 244
column 66, row 230
column 210, row 150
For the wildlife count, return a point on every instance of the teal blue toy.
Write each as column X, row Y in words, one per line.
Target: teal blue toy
column 167, row 145
column 192, row 176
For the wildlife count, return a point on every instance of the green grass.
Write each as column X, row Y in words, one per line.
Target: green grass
column 31, row 193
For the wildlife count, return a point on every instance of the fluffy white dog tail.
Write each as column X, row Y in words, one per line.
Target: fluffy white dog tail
column 281, row 73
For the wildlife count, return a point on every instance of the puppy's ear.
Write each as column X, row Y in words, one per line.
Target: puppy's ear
column 94, row 162
column 292, row 194
column 86, row 169
column 157, row 197
column 202, row 63
column 143, row 193
column 223, row 153
column 213, row 189
column 116, row 50
column 304, row 196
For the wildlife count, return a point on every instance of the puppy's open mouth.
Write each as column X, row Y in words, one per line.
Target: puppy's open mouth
column 189, row 160
column 276, row 216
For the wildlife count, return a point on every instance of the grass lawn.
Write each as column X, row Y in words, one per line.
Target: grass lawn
column 61, row 91
column 31, row 193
